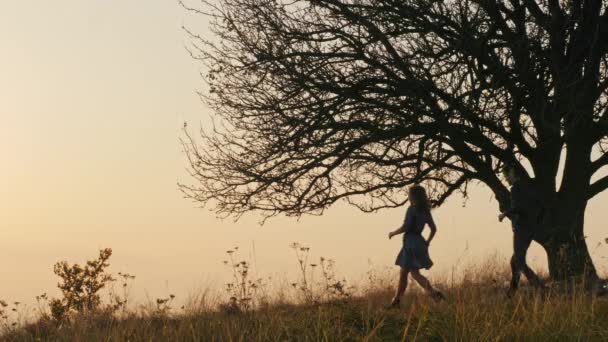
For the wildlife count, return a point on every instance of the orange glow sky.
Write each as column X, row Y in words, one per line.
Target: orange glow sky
column 93, row 95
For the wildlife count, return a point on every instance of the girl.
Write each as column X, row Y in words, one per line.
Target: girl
column 414, row 254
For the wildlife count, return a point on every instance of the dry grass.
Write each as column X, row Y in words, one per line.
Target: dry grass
column 476, row 310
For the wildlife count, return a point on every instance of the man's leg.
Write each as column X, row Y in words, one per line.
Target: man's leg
column 521, row 242
column 532, row 277
column 528, row 272
column 515, row 275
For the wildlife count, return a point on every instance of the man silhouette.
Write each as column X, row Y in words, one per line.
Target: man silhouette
column 525, row 212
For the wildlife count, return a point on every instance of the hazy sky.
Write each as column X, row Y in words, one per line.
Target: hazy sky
column 93, row 95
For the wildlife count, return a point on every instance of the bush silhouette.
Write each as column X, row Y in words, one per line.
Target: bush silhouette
column 80, row 285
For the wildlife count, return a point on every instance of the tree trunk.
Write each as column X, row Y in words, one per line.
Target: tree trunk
column 569, row 258
column 564, row 241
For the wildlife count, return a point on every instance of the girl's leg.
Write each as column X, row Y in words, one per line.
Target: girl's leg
column 402, row 285
column 426, row 284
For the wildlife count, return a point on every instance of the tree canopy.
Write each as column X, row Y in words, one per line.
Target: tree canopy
column 321, row 100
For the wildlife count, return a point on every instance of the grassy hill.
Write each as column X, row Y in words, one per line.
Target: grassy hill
column 473, row 312
column 325, row 309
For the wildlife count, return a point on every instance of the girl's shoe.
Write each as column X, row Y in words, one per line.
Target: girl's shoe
column 395, row 304
column 437, row 296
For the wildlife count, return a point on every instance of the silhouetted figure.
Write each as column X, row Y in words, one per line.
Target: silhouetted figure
column 525, row 212
column 414, row 254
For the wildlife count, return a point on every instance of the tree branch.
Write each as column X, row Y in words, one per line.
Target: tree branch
column 597, row 187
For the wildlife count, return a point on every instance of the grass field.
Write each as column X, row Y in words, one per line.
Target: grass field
column 327, row 309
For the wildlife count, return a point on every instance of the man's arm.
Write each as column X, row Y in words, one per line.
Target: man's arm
column 516, row 203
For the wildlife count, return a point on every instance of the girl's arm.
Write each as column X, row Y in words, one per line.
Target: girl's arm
column 397, row 231
column 433, row 227
column 409, row 216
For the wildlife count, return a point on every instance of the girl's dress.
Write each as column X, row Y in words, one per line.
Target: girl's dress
column 414, row 254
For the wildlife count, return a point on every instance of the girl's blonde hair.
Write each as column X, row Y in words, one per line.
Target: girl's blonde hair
column 418, row 193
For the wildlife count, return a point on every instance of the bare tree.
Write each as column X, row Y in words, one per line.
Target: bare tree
column 321, row 100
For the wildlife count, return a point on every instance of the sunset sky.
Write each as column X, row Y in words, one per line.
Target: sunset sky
column 93, row 96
